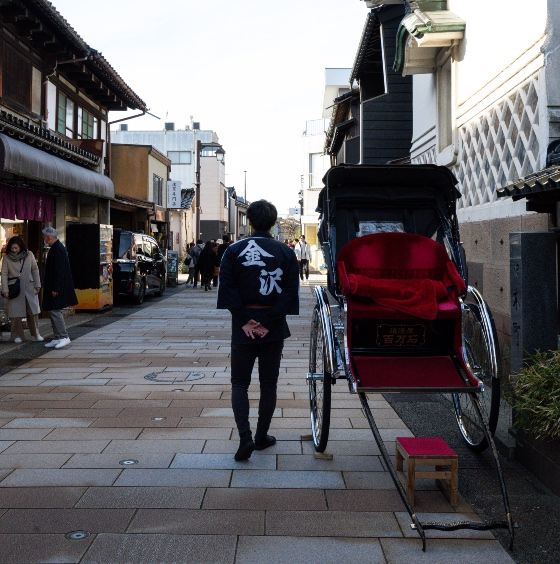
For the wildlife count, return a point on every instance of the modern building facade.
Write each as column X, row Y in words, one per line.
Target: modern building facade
column 179, row 146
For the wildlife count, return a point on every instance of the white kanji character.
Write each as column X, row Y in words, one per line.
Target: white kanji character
column 268, row 281
column 253, row 254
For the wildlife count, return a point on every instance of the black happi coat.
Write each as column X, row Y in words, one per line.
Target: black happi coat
column 58, row 278
column 259, row 270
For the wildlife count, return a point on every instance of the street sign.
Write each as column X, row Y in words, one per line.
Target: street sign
column 174, row 194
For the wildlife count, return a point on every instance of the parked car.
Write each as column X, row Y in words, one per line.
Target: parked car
column 139, row 267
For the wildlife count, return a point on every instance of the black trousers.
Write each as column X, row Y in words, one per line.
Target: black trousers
column 303, row 268
column 242, row 361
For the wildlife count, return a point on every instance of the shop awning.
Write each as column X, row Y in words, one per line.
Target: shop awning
column 25, row 161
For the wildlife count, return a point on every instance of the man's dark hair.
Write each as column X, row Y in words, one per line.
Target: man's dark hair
column 226, row 238
column 200, row 242
column 262, row 215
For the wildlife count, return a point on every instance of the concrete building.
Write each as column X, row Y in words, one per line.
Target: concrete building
column 179, row 146
column 140, row 175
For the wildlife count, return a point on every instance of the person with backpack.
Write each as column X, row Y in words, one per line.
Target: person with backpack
column 195, row 254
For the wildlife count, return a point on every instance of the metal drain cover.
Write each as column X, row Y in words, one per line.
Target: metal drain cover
column 128, row 462
column 169, row 378
column 77, row 535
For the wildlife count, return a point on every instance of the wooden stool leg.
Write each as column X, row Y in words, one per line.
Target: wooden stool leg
column 454, row 483
column 410, row 480
column 399, row 461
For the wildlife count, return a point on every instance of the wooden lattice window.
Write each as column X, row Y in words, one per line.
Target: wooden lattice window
column 16, row 77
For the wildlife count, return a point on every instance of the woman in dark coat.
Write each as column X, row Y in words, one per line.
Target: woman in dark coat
column 207, row 260
column 58, row 287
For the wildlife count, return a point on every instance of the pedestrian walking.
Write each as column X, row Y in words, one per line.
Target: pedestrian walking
column 226, row 241
column 190, row 262
column 58, row 287
column 215, row 248
column 207, row 261
column 20, row 267
column 259, row 286
column 195, row 253
column 303, row 254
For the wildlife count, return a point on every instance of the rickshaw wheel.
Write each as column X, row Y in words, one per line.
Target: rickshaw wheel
column 481, row 356
column 319, row 381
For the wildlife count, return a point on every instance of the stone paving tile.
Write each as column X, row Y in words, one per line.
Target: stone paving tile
column 158, row 411
column 161, row 548
column 5, row 444
column 28, row 548
column 230, row 447
column 444, row 551
column 285, row 479
column 30, row 477
column 332, row 524
column 48, row 404
column 368, row 481
column 78, row 413
column 198, row 521
column 124, row 403
column 23, row 434
column 42, row 422
column 154, row 446
column 112, row 460
column 150, row 497
column 338, row 463
column 389, row 500
column 141, row 422
column 265, row 499
column 33, row 460
column 53, row 520
column 197, row 433
column 48, row 395
column 207, row 422
column 301, row 550
column 174, row 477
column 341, row 448
column 90, row 434
column 40, row 497
column 74, row 382
column 55, row 447
column 223, row 462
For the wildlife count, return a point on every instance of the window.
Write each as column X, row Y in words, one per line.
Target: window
column 315, row 169
column 242, row 219
column 226, row 198
column 158, row 190
column 65, row 115
column 179, row 157
column 88, row 124
column 16, row 77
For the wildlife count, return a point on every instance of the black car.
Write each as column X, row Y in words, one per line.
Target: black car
column 139, row 267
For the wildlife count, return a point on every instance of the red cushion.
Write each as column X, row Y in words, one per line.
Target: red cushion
column 426, row 446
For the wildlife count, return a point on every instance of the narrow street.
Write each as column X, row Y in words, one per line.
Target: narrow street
column 125, row 441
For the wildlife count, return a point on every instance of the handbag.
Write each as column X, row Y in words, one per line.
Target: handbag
column 15, row 287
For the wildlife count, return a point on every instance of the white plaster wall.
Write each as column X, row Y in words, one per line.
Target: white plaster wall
column 497, row 34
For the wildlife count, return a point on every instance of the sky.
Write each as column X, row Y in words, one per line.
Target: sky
column 250, row 70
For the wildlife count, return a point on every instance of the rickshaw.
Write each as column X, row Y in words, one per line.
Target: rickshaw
column 402, row 317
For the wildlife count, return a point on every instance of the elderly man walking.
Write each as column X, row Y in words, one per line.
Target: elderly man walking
column 58, row 287
column 259, row 285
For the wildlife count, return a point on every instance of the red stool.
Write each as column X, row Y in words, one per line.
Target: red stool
column 429, row 451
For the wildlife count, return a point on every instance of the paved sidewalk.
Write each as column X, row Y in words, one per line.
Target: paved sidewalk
column 128, row 435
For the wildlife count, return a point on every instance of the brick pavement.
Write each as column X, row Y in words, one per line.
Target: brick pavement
column 71, row 418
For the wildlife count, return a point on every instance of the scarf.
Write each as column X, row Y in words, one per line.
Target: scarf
column 18, row 257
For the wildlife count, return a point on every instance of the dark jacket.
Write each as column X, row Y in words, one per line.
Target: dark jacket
column 58, row 278
column 207, row 260
column 258, row 270
column 222, row 249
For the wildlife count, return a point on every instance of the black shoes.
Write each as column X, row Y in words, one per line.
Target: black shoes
column 246, row 447
column 268, row 441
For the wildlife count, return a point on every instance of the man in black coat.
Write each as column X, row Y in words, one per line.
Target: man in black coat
column 58, row 287
column 259, row 285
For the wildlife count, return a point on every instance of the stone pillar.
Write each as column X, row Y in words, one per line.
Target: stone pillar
column 533, row 281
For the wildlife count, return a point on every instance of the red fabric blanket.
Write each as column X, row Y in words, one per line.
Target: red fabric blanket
column 414, row 297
